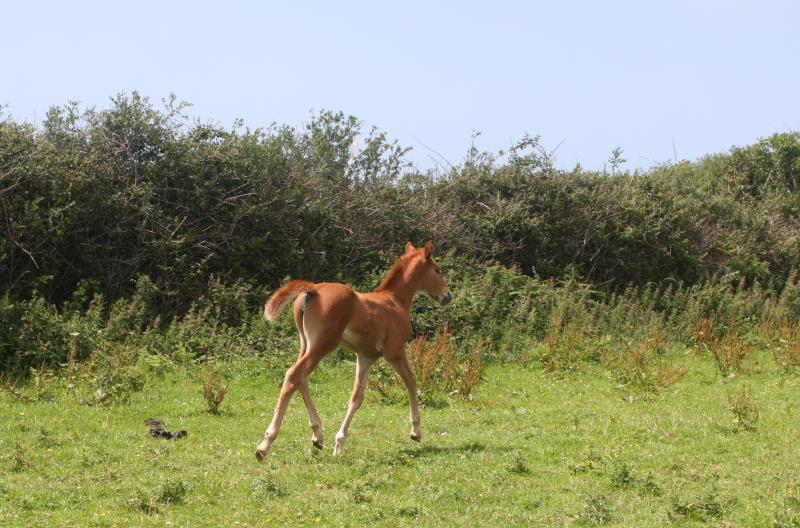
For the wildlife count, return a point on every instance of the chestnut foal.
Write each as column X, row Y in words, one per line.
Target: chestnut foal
column 370, row 324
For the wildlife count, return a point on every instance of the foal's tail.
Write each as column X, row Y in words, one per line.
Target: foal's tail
column 284, row 295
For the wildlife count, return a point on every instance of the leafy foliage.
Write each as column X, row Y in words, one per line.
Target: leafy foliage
column 111, row 195
column 134, row 227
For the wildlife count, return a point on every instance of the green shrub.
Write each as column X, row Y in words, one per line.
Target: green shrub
column 33, row 334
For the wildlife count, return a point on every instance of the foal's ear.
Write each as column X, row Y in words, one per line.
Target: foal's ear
column 428, row 249
column 410, row 248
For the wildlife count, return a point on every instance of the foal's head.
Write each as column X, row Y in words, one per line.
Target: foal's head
column 431, row 277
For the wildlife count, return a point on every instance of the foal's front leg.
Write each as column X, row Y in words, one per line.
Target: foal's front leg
column 404, row 369
column 363, row 364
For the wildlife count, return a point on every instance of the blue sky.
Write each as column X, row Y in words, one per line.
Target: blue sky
column 656, row 78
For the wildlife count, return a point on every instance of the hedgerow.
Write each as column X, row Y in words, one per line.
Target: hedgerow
column 134, row 224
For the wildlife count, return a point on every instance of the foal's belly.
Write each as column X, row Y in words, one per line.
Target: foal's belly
column 361, row 342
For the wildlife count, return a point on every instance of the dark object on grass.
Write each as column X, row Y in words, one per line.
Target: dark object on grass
column 157, row 430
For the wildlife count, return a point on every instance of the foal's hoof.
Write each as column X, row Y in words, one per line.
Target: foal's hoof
column 261, row 450
column 317, row 444
column 416, row 437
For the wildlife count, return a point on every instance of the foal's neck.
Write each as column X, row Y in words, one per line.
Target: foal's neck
column 401, row 282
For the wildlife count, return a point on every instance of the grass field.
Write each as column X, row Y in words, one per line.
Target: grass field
column 529, row 449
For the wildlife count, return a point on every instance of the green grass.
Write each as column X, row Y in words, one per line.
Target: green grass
column 530, row 449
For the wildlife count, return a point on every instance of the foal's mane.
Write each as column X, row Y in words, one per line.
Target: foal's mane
column 395, row 274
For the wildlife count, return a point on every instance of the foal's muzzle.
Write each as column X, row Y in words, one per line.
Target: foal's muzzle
column 446, row 297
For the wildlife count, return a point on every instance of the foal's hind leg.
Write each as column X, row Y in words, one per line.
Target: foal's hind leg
column 305, row 391
column 293, row 380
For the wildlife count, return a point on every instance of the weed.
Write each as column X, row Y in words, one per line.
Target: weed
column 728, row 351
column 43, row 383
column 172, row 492
column 151, row 501
column 562, row 348
column 698, row 507
column 46, row 439
column 439, row 368
column 649, row 486
column 785, row 519
column 434, row 361
column 785, row 348
column 213, row 391
column 630, row 366
column 621, row 475
column 597, row 509
column 633, row 366
column 705, row 334
column 361, row 493
column 19, row 459
column 155, row 364
column 409, row 511
column 731, row 353
column 265, row 486
column 744, row 409
column 144, row 502
column 788, row 516
column 113, row 376
column 590, row 462
column 665, row 375
column 472, row 371
column 518, row 465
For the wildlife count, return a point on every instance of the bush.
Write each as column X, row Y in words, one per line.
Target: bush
column 33, row 334
column 498, row 314
column 112, row 377
column 106, row 196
